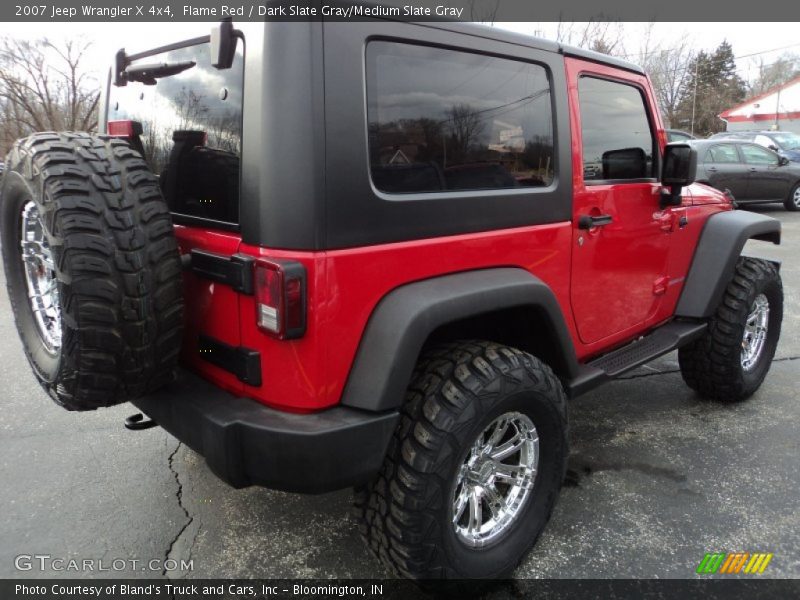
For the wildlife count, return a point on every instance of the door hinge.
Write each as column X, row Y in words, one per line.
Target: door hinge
column 235, row 271
column 660, row 285
column 669, row 221
column 242, row 362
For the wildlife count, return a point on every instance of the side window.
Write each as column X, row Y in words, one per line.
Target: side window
column 442, row 120
column 755, row 155
column 617, row 140
column 723, row 153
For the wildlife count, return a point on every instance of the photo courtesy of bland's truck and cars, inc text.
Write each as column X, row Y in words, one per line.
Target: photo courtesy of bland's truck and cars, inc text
column 358, row 299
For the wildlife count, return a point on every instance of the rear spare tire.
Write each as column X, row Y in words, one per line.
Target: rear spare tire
column 92, row 268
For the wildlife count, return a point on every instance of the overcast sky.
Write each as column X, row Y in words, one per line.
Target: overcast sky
column 746, row 38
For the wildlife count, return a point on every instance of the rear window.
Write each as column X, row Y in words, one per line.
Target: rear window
column 192, row 131
column 723, row 153
column 443, row 120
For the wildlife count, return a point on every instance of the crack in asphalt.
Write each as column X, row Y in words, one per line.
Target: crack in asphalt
column 642, row 375
column 179, row 496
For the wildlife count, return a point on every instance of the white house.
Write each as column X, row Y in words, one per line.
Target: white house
column 778, row 108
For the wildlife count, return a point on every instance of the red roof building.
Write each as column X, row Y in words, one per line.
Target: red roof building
column 778, row 108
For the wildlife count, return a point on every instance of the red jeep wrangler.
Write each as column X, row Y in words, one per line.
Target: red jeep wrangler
column 380, row 255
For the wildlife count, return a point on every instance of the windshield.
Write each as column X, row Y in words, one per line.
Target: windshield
column 787, row 141
column 191, row 128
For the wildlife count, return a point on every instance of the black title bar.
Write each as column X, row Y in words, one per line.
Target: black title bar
column 268, row 589
column 485, row 11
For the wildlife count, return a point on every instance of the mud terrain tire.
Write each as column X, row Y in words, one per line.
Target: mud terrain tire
column 99, row 235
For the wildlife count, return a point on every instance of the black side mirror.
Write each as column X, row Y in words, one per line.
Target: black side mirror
column 679, row 170
column 626, row 163
column 223, row 45
column 783, row 161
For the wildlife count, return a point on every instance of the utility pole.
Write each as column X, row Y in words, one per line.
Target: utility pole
column 777, row 109
column 694, row 99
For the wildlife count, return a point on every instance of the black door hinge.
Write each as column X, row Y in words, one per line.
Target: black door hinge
column 235, row 271
column 242, row 362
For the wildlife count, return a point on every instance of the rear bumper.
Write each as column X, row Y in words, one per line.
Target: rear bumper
column 246, row 443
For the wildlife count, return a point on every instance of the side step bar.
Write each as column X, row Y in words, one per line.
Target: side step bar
column 657, row 343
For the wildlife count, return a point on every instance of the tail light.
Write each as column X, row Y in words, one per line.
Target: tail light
column 124, row 129
column 280, row 290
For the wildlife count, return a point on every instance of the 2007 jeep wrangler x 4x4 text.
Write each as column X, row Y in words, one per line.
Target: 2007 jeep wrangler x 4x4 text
column 381, row 255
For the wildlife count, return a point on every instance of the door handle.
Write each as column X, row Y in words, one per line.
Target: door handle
column 752, row 169
column 712, row 169
column 590, row 221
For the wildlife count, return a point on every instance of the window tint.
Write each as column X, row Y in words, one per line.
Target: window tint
column 758, row 156
column 191, row 131
column 441, row 120
column 617, row 140
column 723, row 153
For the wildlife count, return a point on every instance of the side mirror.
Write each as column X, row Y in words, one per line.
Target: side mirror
column 783, row 161
column 773, row 147
column 223, row 45
column 626, row 163
column 679, row 170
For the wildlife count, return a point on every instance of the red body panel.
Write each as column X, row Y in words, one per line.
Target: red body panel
column 344, row 286
column 211, row 308
column 618, row 282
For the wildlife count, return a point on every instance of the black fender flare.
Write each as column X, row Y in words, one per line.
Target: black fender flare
column 715, row 256
column 402, row 321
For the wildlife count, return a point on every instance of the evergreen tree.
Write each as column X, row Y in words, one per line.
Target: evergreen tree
column 712, row 86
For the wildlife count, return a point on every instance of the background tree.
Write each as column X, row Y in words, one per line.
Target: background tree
column 600, row 36
column 668, row 68
column 772, row 74
column 712, row 85
column 44, row 86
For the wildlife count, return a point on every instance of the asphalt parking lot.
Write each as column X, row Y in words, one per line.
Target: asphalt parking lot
column 657, row 479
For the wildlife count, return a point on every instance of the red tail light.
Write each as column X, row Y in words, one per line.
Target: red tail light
column 124, row 129
column 280, row 288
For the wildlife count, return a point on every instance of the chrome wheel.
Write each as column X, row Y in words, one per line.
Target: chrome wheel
column 796, row 197
column 755, row 332
column 40, row 277
column 496, row 479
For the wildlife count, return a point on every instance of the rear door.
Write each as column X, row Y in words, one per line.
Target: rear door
column 725, row 169
column 768, row 179
column 620, row 242
column 191, row 131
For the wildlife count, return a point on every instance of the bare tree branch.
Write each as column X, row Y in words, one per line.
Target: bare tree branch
column 44, row 86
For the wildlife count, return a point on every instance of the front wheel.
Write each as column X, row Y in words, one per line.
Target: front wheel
column 731, row 360
column 474, row 468
column 793, row 201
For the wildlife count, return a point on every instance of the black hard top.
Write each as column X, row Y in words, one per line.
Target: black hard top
column 511, row 37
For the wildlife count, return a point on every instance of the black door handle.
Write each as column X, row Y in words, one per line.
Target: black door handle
column 589, row 221
column 711, row 169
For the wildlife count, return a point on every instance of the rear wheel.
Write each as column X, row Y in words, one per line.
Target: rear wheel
column 474, row 468
column 731, row 360
column 92, row 268
column 793, row 201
